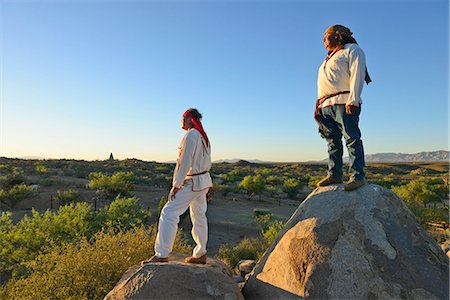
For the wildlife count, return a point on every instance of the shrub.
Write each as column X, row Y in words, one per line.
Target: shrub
column 41, row 169
column 263, row 217
column 252, row 248
column 120, row 183
column 15, row 195
column 15, row 177
column 291, row 187
column 272, row 231
column 275, row 180
column 88, row 269
column 35, row 234
column 67, row 197
column 38, row 233
column 421, row 191
column 249, row 248
column 123, row 214
column 253, row 185
column 418, row 194
column 313, row 181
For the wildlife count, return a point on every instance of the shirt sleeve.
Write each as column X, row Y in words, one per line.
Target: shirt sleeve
column 357, row 66
column 184, row 160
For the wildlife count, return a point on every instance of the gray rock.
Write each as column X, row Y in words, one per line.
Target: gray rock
column 351, row 245
column 244, row 267
column 176, row 280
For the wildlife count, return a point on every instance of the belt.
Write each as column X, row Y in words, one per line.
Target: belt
column 197, row 174
column 321, row 100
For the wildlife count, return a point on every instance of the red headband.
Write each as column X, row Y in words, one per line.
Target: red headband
column 197, row 125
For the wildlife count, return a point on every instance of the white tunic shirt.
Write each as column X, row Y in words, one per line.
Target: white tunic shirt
column 194, row 157
column 344, row 71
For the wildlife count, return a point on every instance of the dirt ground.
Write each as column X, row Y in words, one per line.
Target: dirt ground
column 230, row 219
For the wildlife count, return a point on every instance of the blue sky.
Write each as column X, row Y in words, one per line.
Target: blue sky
column 81, row 79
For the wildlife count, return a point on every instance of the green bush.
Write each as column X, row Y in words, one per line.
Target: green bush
column 291, row 186
column 13, row 178
column 422, row 191
column 123, row 214
column 272, row 231
column 41, row 169
column 15, row 195
column 67, row 197
column 253, row 185
column 249, row 248
column 38, row 233
column 252, row 248
column 419, row 194
column 87, row 269
column 313, row 181
column 120, row 183
column 275, row 180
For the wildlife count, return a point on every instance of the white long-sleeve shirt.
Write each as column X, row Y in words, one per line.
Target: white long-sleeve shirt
column 194, row 157
column 344, row 71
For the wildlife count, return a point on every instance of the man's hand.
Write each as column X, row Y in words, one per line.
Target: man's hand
column 172, row 193
column 350, row 109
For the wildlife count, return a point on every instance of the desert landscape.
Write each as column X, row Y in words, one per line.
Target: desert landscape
column 242, row 193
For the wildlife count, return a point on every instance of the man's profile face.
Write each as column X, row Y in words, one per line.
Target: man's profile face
column 186, row 123
column 329, row 41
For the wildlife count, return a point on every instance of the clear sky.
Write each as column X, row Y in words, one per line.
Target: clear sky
column 82, row 79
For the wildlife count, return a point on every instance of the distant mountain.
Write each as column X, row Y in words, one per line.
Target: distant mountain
column 235, row 160
column 440, row 155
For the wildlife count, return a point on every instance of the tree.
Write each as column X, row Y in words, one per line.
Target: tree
column 253, row 185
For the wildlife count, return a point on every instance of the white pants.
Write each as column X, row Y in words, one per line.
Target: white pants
column 170, row 216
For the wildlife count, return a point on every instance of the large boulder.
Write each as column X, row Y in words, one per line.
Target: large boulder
column 176, row 280
column 364, row 244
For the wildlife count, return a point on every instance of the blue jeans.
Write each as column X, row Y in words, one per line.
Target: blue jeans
column 334, row 123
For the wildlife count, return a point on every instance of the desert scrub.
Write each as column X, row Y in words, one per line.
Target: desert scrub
column 40, row 232
column 67, row 197
column 120, row 183
column 252, row 248
column 248, row 248
column 122, row 214
column 87, row 269
column 15, row 195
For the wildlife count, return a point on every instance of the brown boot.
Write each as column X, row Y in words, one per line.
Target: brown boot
column 328, row 181
column 155, row 259
column 354, row 184
column 196, row 260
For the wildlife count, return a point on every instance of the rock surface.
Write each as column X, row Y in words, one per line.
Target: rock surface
column 244, row 267
column 176, row 280
column 364, row 244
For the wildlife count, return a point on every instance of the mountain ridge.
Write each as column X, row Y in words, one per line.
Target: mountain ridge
column 387, row 157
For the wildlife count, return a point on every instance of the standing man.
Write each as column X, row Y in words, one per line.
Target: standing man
column 340, row 83
column 191, row 182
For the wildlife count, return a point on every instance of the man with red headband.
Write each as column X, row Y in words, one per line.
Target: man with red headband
column 191, row 182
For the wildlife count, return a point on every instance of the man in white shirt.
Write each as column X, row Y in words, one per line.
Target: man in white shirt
column 191, row 182
column 340, row 82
